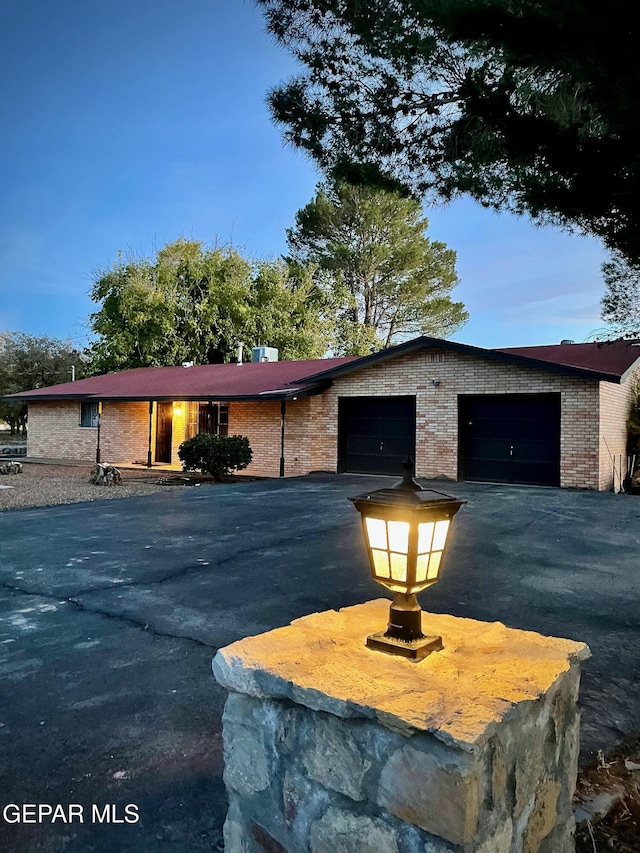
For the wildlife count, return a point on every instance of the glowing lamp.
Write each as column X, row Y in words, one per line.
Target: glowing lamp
column 405, row 530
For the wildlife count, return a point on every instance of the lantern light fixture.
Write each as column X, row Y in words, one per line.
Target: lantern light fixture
column 405, row 530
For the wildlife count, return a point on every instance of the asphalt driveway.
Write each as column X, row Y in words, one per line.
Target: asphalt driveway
column 111, row 611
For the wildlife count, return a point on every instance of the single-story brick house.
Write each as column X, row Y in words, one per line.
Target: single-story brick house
column 550, row 415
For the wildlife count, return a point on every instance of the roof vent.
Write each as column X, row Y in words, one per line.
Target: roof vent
column 187, row 364
column 264, row 354
column 566, row 341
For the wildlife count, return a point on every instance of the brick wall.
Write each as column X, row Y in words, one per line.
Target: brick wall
column 437, row 409
column 615, row 404
column 54, row 432
column 124, row 432
column 261, row 423
column 298, row 437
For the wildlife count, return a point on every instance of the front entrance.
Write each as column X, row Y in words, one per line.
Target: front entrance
column 375, row 434
column 164, row 431
column 510, row 438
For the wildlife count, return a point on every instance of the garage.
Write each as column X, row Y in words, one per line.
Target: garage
column 510, row 438
column 375, row 434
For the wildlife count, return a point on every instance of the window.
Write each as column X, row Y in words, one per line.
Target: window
column 191, row 425
column 211, row 418
column 88, row 414
column 223, row 419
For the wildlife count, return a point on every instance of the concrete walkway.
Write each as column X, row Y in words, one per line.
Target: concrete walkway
column 111, row 611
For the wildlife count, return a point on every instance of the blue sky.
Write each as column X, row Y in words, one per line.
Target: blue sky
column 127, row 124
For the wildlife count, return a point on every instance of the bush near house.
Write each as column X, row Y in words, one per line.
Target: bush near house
column 217, row 455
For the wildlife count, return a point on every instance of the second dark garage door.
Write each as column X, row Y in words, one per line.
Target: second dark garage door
column 510, row 438
column 375, row 434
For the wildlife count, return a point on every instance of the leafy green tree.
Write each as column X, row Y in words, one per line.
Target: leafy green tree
column 217, row 455
column 388, row 281
column 290, row 309
column 526, row 105
column 621, row 302
column 32, row 361
column 193, row 303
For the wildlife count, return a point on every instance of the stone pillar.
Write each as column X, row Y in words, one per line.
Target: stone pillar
column 330, row 747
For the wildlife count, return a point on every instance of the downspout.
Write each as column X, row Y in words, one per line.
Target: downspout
column 150, row 429
column 98, row 433
column 283, row 410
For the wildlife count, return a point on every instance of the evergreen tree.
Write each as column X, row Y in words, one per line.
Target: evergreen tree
column 387, row 280
column 621, row 302
column 526, row 105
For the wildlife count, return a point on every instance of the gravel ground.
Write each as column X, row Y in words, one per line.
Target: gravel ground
column 46, row 485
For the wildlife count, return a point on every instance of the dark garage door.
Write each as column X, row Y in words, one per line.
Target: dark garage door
column 511, row 438
column 375, row 434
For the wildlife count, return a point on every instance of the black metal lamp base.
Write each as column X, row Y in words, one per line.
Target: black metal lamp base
column 404, row 632
column 413, row 649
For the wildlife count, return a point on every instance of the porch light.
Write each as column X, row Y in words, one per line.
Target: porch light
column 177, row 410
column 405, row 530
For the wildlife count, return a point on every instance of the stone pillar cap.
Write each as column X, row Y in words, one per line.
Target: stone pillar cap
column 458, row 694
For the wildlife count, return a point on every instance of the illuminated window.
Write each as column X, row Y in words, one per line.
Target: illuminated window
column 211, row 418
column 191, row 423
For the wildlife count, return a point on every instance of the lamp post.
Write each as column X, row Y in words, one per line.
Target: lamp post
column 405, row 530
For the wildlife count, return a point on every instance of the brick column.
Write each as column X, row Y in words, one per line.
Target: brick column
column 333, row 748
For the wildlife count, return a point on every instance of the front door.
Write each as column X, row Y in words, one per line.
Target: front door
column 164, row 429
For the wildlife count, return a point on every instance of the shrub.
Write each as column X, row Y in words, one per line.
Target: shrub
column 217, row 455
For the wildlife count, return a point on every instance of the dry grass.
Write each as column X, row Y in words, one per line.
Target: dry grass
column 617, row 774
